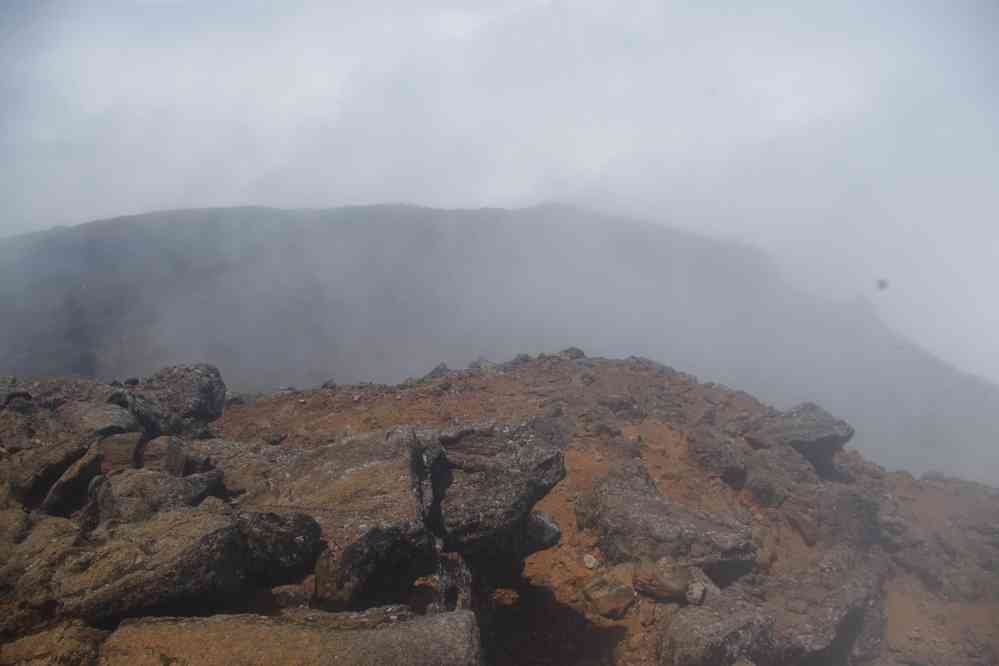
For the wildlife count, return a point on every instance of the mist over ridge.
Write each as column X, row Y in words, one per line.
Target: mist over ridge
column 499, row 334
column 381, row 293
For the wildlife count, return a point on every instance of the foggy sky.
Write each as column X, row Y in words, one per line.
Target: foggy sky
column 854, row 141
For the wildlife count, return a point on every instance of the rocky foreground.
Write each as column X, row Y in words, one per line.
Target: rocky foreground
column 549, row 510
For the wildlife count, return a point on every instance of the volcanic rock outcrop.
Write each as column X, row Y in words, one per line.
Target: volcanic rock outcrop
column 557, row 509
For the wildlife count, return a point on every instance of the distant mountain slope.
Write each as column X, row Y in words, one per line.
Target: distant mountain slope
column 380, row 293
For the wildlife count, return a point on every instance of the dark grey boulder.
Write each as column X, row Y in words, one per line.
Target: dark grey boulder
column 376, row 569
column 485, row 480
column 185, row 560
column 807, row 428
column 281, row 548
column 634, row 522
column 194, row 392
column 177, row 400
column 471, row 491
column 823, row 608
column 137, row 494
column 718, row 636
column 171, row 455
column 818, row 615
column 92, row 420
column 174, row 557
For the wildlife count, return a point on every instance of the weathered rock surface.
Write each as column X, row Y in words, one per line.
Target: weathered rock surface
column 377, row 568
column 69, row 493
column 175, row 400
column 94, row 420
column 357, row 488
column 171, row 455
column 183, row 398
column 467, row 490
column 57, row 421
column 174, row 557
column 808, row 429
column 812, row 617
column 720, row 454
column 823, row 609
column 483, row 482
column 447, row 639
column 32, row 472
column 634, row 522
column 280, row 548
column 70, row 643
column 718, row 635
column 43, row 443
column 585, row 511
column 138, row 494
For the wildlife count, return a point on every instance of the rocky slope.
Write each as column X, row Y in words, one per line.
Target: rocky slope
column 548, row 510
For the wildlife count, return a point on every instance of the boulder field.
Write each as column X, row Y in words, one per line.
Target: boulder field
column 549, row 510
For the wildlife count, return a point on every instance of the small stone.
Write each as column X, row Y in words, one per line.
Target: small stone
column 590, row 562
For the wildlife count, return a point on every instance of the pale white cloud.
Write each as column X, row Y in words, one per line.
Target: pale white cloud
column 854, row 140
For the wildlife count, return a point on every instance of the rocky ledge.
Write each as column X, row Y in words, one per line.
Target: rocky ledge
column 557, row 509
